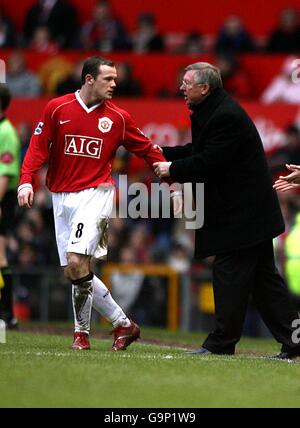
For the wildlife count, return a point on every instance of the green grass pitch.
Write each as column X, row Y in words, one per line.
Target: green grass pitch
column 40, row 370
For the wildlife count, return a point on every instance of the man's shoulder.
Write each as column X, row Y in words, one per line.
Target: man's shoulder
column 117, row 110
column 60, row 101
column 229, row 107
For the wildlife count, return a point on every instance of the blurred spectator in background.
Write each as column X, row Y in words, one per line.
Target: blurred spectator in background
column 282, row 88
column 42, row 236
column 126, row 286
column 139, row 242
column 7, row 32
column 53, row 70
column 174, row 90
column 127, row 84
column 289, row 153
column 293, row 145
column 24, row 130
column 41, row 41
column 104, row 31
column 292, row 265
column 59, row 16
column 147, row 37
column 9, row 177
column 21, row 82
column 233, row 38
column 180, row 258
column 235, row 81
column 72, row 82
column 118, row 237
column 27, row 256
column 286, row 38
column 193, row 43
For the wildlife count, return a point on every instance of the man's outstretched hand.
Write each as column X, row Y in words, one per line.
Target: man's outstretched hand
column 177, row 200
column 289, row 182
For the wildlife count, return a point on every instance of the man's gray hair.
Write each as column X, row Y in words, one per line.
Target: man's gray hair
column 206, row 73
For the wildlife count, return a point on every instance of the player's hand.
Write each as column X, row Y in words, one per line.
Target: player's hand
column 177, row 199
column 157, row 147
column 162, row 169
column 25, row 197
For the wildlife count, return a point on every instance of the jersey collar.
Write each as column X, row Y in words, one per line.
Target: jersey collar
column 88, row 110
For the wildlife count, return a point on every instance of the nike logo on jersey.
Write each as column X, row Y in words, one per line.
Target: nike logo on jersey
column 61, row 122
column 76, row 242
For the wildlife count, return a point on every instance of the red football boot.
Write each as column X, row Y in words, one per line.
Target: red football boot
column 124, row 336
column 81, row 342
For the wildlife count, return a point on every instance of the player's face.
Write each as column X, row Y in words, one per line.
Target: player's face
column 193, row 92
column 105, row 83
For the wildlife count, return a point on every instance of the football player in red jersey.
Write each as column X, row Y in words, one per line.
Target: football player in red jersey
column 78, row 136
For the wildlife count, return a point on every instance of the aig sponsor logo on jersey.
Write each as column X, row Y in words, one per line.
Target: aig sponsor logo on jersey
column 80, row 145
column 105, row 124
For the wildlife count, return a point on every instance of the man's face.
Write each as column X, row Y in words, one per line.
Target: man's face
column 194, row 93
column 105, row 83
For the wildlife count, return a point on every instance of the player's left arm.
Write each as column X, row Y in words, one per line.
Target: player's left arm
column 137, row 143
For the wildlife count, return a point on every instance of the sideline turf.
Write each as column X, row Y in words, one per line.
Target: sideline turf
column 41, row 371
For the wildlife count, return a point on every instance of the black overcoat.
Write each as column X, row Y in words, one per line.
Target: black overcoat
column 241, row 208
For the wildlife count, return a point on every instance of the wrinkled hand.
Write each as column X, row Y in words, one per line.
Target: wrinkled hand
column 177, row 199
column 25, row 197
column 157, row 147
column 289, row 182
column 162, row 169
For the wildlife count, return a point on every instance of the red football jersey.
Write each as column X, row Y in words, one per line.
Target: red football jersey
column 79, row 144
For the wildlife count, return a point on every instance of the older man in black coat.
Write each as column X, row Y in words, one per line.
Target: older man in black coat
column 241, row 212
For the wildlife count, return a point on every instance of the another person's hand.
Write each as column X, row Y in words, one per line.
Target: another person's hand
column 162, row 169
column 177, row 199
column 25, row 197
column 283, row 184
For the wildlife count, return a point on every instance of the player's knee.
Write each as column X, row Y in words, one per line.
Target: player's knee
column 75, row 270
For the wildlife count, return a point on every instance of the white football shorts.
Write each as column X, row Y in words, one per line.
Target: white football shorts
column 81, row 221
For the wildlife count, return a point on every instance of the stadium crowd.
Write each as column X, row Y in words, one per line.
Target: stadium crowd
column 47, row 31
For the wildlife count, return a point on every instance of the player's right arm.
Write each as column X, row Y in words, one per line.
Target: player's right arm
column 36, row 156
